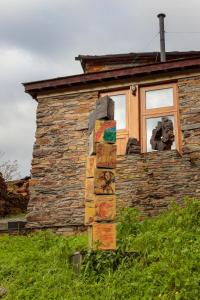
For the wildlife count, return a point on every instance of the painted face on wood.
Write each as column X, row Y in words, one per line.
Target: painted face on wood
column 107, row 180
column 104, row 182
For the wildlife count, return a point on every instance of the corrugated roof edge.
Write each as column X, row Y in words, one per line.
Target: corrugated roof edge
column 178, row 53
column 134, row 56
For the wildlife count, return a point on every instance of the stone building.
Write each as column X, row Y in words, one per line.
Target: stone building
column 147, row 94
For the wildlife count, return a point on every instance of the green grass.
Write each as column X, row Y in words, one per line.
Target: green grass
column 156, row 259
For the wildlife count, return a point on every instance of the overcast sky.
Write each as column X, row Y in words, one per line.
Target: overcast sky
column 40, row 38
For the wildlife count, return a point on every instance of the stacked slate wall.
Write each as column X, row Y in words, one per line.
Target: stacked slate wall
column 59, row 158
column 148, row 181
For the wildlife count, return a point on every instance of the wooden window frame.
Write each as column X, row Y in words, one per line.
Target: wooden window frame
column 132, row 113
column 126, row 93
column 159, row 112
column 136, row 114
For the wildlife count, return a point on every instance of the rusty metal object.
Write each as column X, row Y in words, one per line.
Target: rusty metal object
column 163, row 135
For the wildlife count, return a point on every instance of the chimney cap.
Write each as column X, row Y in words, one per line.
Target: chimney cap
column 161, row 15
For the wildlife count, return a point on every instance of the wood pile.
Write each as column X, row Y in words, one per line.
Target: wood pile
column 18, row 195
column 14, row 196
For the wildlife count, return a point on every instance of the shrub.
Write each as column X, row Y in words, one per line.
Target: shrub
column 156, row 258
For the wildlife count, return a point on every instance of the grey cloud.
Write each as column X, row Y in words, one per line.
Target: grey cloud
column 40, row 38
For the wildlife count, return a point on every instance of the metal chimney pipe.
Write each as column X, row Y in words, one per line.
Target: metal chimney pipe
column 162, row 37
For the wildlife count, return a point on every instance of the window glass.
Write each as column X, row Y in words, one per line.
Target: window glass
column 151, row 124
column 120, row 110
column 159, row 98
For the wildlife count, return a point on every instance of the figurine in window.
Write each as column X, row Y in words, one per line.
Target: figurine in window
column 163, row 135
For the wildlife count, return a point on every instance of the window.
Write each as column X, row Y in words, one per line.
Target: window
column 137, row 114
column 120, row 110
column 158, row 102
column 127, row 124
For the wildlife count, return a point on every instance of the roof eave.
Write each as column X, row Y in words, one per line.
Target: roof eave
column 33, row 88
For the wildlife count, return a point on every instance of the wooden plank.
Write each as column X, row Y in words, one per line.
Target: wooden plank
column 90, row 237
column 89, row 213
column 104, row 181
column 106, row 155
column 91, row 144
column 104, row 236
column 92, row 120
column 90, row 166
column 121, row 144
column 105, row 131
column 89, row 189
column 133, row 111
column 105, row 108
column 105, row 208
column 104, row 111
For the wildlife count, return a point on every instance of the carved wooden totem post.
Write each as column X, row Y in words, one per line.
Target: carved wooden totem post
column 100, row 200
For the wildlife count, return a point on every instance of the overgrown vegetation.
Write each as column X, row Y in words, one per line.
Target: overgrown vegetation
column 9, row 169
column 156, row 259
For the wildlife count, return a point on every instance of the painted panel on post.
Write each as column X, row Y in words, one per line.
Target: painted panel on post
column 104, row 236
column 106, row 155
column 105, row 131
column 104, row 181
column 105, row 208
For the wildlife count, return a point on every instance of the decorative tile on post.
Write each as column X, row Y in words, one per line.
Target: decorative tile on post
column 105, row 131
column 104, row 236
column 104, row 181
column 106, row 155
column 105, row 208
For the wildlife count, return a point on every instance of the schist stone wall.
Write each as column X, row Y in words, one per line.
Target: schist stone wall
column 58, row 165
column 148, row 181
